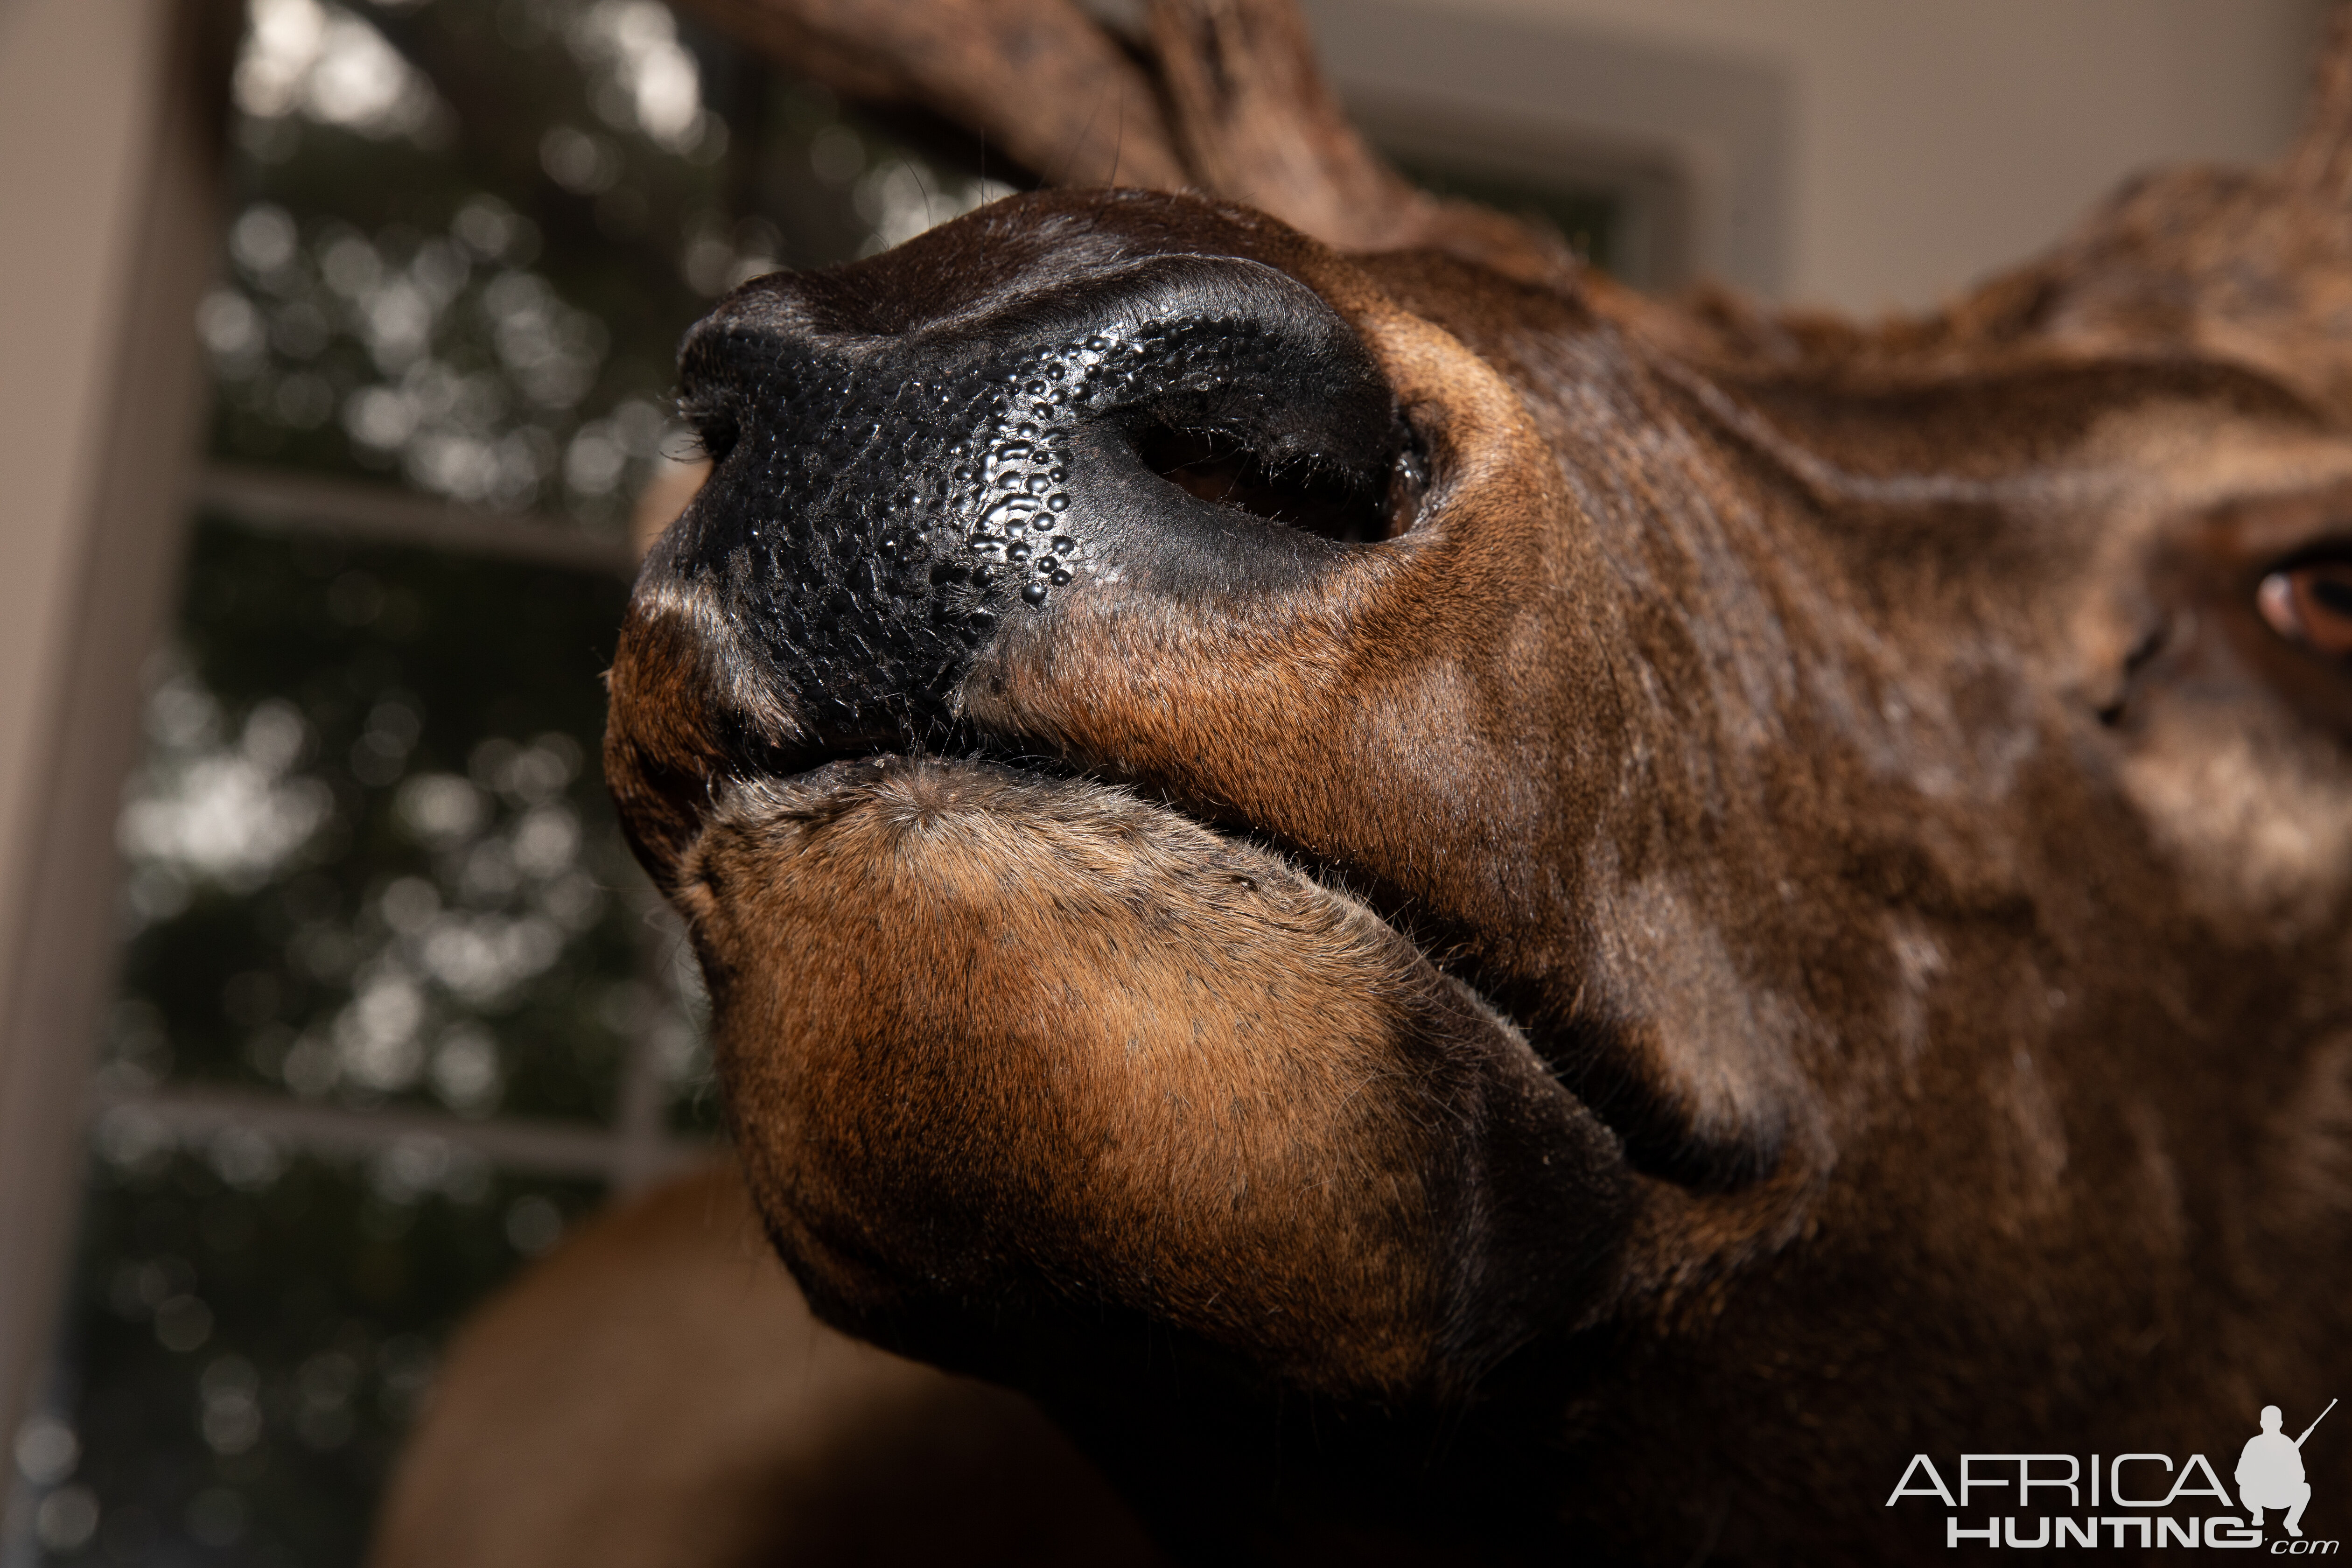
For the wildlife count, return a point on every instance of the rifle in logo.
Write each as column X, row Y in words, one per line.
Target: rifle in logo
column 2270, row 1470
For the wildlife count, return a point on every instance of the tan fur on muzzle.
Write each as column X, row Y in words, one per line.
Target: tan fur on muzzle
column 959, row 1002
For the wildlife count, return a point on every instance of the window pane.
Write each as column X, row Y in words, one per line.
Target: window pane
column 372, row 855
column 373, row 864
column 469, row 235
column 1589, row 220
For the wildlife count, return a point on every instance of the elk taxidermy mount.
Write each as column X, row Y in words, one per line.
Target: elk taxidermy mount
column 1410, row 907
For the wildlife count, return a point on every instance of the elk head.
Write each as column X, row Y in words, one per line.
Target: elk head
column 1559, row 916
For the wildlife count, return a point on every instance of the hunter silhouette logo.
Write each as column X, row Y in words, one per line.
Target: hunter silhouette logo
column 2124, row 1501
column 2270, row 1472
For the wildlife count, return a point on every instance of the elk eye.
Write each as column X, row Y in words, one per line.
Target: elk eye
column 2310, row 605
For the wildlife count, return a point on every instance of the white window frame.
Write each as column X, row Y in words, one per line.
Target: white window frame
column 109, row 170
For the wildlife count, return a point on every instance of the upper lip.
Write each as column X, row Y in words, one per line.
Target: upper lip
column 1345, row 876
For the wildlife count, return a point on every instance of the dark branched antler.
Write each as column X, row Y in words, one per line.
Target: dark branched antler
column 1039, row 79
column 2321, row 164
column 1229, row 103
column 1254, row 121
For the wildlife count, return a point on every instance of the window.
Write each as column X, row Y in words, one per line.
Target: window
column 1624, row 212
column 1676, row 161
column 396, row 1006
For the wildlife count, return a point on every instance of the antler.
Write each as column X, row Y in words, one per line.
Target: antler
column 1256, row 123
column 1229, row 102
column 2249, row 269
column 1037, row 79
column 2321, row 164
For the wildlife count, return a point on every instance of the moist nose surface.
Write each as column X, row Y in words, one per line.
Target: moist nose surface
column 883, row 505
column 840, row 530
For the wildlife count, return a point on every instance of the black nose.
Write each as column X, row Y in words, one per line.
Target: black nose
column 916, row 454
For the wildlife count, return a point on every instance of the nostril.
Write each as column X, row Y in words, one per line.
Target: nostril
column 1407, row 486
column 1371, row 497
column 714, row 424
column 887, row 505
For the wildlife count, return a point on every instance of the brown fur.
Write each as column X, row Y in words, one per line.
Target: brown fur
column 1847, row 904
column 756, row 1435
column 1243, row 1082
column 1798, row 745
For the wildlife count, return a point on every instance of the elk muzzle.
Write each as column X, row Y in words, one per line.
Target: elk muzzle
column 1019, row 1061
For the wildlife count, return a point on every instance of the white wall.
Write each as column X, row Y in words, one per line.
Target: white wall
column 64, row 276
column 107, row 236
column 1933, row 140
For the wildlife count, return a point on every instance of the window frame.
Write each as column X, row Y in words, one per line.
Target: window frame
column 1699, row 145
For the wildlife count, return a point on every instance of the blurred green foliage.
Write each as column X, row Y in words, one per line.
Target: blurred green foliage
column 468, row 238
column 461, row 921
